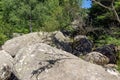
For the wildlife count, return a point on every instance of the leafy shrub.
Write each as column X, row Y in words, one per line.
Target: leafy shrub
column 118, row 64
column 106, row 39
column 3, row 38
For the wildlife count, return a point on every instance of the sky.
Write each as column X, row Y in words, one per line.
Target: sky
column 86, row 4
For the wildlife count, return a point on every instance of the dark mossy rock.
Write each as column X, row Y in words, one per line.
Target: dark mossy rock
column 62, row 42
column 82, row 46
column 109, row 51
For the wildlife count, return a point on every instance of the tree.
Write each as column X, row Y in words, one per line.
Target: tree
column 39, row 13
column 19, row 12
column 110, row 5
column 23, row 16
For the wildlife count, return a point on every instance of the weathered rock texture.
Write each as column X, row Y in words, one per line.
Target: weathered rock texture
column 62, row 42
column 43, row 62
column 56, row 39
column 6, row 65
column 82, row 46
column 12, row 46
column 96, row 58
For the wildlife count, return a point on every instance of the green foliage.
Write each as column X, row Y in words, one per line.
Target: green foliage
column 24, row 16
column 112, row 40
column 117, row 5
column 4, row 32
column 118, row 62
column 3, row 38
column 103, row 17
column 37, row 13
column 107, row 39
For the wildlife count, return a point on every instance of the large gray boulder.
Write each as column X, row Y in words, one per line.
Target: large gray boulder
column 12, row 46
column 56, row 39
column 43, row 62
column 6, row 65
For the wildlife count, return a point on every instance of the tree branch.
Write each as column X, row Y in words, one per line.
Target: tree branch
column 112, row 8
column 97, row 2
column 115, row 13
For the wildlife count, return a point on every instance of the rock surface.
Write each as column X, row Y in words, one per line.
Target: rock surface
column 43, row 62
column 96, row 58
column 59, row 36
column 82, row 46
column 6, row 65
column 62, row 42
column 17, row 34
column 12, row 46
column 56, row 39
column 110, row 52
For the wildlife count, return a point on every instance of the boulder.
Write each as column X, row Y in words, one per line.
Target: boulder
column 17, row 34
column 66, row 32
column 60, row 36
column 42, row 62
column 96, row 58
column 12, row 46
column 62, row 42
column 82, row 46
column 56, row 39
column 6, row 65
column 78, row 37
column 109, row 51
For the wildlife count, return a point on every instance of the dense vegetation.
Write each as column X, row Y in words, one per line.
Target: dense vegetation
column 102, row 16
column 105, row 15
column 24, row 16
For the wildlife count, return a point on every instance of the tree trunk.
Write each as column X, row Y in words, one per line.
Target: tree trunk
column 30, row 23
column 115, row 13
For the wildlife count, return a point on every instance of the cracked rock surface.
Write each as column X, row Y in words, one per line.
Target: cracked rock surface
column 42, row 62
